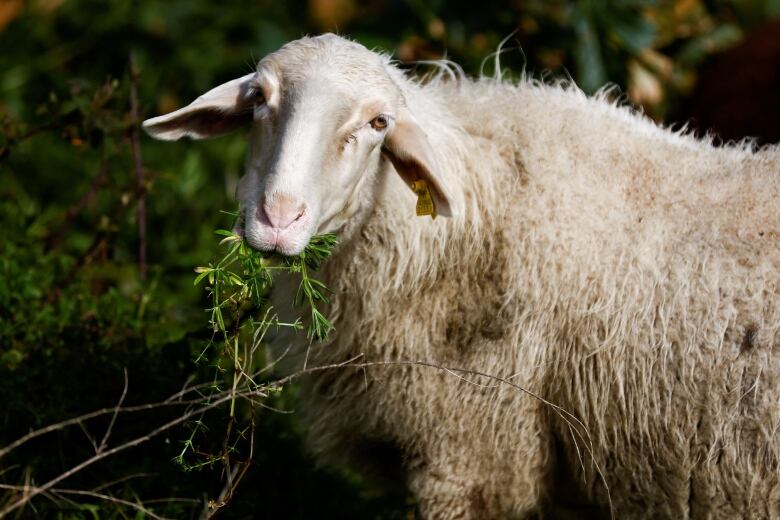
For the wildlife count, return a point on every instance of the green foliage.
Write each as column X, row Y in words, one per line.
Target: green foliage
column 243, row 277
column 38, row 296
column 311, row 290
column 239, row 288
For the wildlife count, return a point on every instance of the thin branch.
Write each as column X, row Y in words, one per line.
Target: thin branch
column 118, row 407
column 212, row 506
column 97, row 413
column 93, row 494
column 173, row 400
column 88, row 435
column 122, row 479
column 235, row 475
column 171, row 500
column 235, row 472
column 107, row 453
column 135, row 148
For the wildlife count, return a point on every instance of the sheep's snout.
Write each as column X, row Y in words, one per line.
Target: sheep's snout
column 281, row 222
column 281, row 211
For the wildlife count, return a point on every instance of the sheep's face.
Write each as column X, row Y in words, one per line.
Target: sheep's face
column 316, row 142
column 325, row 115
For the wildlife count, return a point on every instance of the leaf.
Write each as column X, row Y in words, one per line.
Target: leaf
column 204, row 272
column 237, row 280
column 236, row 240
column 591, row 74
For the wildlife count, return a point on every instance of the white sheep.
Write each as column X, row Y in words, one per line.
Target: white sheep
column 627, row 273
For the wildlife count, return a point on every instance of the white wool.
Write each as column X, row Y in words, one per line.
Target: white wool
column 628, row 273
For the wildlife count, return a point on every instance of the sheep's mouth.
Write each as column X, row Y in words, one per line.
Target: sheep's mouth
column 282, row 248
column 282, row 243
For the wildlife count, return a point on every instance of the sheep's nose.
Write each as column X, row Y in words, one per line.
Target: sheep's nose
column 282, row 210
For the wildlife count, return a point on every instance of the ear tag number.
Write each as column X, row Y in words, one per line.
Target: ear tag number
column 425, row 205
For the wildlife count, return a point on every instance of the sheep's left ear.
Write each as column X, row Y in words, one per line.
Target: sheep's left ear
column 409, row 150
column 217, row 112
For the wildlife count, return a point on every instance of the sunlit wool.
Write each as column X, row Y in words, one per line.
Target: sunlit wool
column 625, row 272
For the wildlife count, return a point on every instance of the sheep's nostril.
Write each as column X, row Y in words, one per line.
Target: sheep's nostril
column 280, row 211
column 262, row 215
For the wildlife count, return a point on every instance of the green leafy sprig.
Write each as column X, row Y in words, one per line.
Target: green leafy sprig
column 239, row 284
column 242, row 279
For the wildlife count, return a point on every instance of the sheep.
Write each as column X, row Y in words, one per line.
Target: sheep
column 614, row 270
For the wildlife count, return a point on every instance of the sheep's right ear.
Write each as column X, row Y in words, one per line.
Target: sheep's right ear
column 217, row 112
column 411, row 153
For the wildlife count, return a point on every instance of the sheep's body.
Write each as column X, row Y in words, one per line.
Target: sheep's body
column 628, row 274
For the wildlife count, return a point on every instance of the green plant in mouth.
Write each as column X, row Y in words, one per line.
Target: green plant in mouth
column 241, row 281
column 239, row 284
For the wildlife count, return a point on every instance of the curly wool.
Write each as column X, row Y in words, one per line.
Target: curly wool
column 625, row 272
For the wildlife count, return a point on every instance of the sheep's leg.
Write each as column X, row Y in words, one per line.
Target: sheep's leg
column 468, row 469
column 444, row 494
column 463, row 490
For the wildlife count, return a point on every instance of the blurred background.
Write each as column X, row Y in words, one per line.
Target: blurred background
column 101, row 227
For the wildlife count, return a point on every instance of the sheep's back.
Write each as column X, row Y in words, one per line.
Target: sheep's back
column 652, row 262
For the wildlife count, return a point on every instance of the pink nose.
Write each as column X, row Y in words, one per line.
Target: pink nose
column 281, row 210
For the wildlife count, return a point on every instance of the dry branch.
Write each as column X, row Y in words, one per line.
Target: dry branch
column 235, row 472
column 135, row 148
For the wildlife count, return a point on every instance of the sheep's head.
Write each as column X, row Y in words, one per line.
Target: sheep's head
column 326, row 116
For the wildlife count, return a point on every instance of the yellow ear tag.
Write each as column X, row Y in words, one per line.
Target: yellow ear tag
column 425, row 205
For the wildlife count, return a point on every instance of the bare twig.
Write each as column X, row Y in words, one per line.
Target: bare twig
column 122, row 479
column 236, row 469
column 173, row 400
column 91, row 415
column 212, row 506
column 135, row 148
column 93, row 494
column 234, row 476
column 88, row 435
column 104, row 442
column 107, row 453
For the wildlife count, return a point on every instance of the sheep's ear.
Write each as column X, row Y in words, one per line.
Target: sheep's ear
column 409, row 150
column 217, row 112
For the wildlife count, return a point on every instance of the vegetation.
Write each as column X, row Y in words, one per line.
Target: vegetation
column 101, row 229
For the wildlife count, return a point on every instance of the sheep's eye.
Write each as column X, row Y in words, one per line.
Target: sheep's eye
column 379, row 122
column 257, row 96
